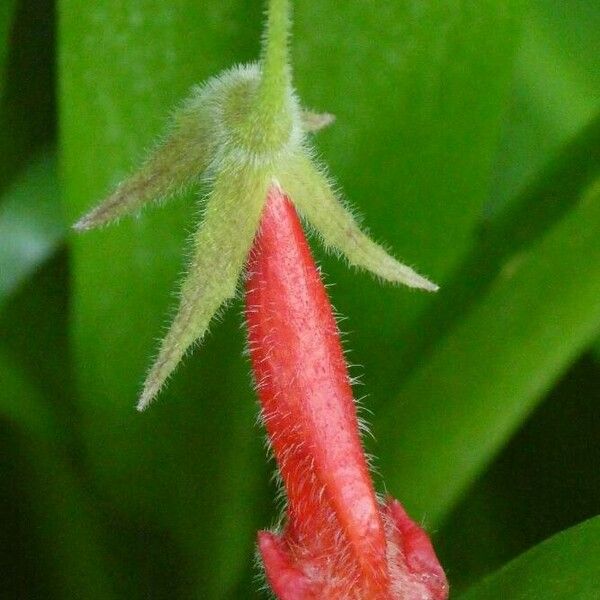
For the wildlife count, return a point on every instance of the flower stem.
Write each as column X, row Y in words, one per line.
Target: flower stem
column 272, row 106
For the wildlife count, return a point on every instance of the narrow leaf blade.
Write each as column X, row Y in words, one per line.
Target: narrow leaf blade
column 564, row 567
column 487, row 373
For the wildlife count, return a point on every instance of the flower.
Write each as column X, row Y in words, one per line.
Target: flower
column 339, row 541
column 246, row 135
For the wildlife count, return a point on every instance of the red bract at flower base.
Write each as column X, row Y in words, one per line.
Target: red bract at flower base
column 339, row 541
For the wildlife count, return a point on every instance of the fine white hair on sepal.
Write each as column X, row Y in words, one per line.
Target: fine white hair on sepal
column 313, row 121
column 221, row 247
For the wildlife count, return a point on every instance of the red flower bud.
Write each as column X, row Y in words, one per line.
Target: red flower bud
column 339, row 541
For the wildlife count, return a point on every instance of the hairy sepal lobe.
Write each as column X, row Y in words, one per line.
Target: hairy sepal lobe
column 218, row 136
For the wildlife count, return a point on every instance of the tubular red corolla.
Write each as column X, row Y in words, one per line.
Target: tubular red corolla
column 339, row 541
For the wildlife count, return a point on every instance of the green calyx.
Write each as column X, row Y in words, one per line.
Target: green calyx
column 245, row 132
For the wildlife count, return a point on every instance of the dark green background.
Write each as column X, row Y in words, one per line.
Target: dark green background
column 467, row 135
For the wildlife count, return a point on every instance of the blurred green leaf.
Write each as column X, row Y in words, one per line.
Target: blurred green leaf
column 534, row 488
column 564, row 567
column 486, row 374
column 187, row 463
column 31, row 222
column 7, row 9
column 69, row 529
column 61, row 537
column 35, row 349
column 27, row 120
column 556, row 91
column 20, row 403
column 412, row 147
column 34, row 329
column 62, row 519
column 521, row 224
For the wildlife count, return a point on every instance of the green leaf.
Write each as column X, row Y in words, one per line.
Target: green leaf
column 487, row 373
column 412, row 147
column 563, row 567
column 20, row 402
column 555, row 93
column 67, row 527
column 31, row 222
column 7, row 9
column 61, row 515
column 495, row 520
column 27, row 119
column 521, row 224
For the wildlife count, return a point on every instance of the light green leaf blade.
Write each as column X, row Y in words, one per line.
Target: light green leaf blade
column 556, row 92
column 564, row 567
column 533, row 474
column 513, row 230
column 487, row 373
column 31, row 222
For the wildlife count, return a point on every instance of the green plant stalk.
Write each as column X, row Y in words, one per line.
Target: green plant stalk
column 272, row 104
